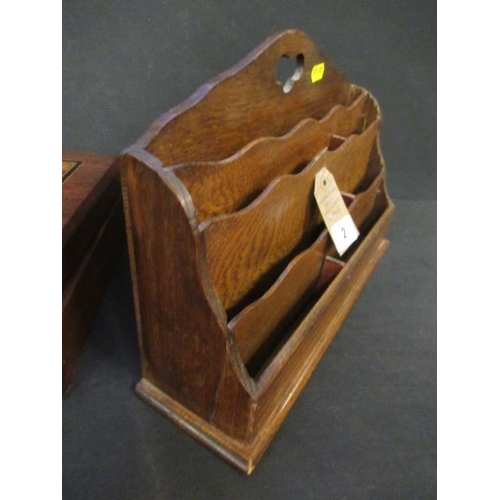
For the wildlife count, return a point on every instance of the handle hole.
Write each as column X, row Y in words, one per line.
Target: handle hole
column 289, row 71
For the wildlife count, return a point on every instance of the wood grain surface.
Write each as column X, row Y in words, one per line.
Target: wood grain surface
column 247, row 102
column 245, row 250
column 229, row 185
column 93, row 235
column 258, row 321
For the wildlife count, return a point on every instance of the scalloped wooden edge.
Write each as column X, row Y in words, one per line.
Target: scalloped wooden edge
column 161, row 121
column 321, row 245
column 274, row 185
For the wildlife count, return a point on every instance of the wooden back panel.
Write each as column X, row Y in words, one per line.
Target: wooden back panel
column 247, row 102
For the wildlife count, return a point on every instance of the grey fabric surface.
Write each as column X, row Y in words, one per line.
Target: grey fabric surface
column 363, row 428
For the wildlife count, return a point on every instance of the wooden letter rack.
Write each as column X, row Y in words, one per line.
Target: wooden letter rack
column 238, row 287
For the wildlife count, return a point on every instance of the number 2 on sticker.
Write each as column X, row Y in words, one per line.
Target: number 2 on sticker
column 343, row 230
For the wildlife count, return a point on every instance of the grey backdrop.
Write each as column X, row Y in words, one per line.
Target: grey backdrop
column 365, row 425
column 126, row 62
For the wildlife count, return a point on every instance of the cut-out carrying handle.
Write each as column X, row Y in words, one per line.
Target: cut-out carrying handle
column 247, row 102
column 298, row 47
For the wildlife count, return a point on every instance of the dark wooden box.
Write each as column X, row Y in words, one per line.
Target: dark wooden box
column 93, row 234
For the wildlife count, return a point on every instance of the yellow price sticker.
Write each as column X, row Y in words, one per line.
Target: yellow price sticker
column 317, row 72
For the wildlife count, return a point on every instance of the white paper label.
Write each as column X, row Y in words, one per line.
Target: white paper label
column 344, row 233
column 337, row 218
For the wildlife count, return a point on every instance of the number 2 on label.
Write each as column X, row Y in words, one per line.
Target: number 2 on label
column 343, row 230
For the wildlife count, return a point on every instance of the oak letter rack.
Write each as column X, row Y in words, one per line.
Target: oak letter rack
column 238, row 287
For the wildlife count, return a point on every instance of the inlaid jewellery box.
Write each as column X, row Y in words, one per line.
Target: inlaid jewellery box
column 238, row 287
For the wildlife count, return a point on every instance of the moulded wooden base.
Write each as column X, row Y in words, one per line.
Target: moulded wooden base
column 245, row 455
